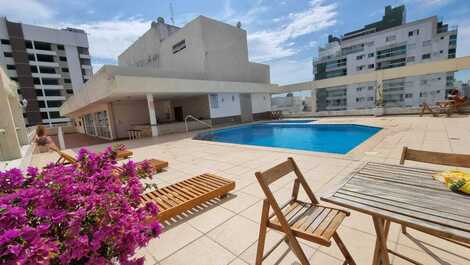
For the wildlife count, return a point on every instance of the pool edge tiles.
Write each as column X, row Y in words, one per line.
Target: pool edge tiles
column 325, row 138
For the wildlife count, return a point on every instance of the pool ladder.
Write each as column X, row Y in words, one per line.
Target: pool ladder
column 196, row 119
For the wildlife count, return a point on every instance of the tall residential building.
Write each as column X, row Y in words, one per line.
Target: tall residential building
column 49, row 65
column 388, row 43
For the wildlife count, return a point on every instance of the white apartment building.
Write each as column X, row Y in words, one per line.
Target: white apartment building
column 201, row 69
column 389, row 43
column 49, row 66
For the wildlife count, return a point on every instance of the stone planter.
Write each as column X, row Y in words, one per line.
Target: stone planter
column 379, row 111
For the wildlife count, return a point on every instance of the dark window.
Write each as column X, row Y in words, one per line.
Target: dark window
column 4, row 41
column 60, row 47
column 44, row 115
column 14, row 79
column 11, row 67
column 54, row 103
column 67, row 81
column 31, row 57
column 42, row 104
column 410, row 33
column 83, row 50
column 28, row 44
column 370, row 66
column 85, row 61
column 54, row 114
column 179, row 46
column 63, row 58
column 52, row 93
column 83, row 72
column 39, row 45
column 65, row 70
column 34, row 69
column 47, row 70
column 7, row 54
column 36, row 81
column 426, row 56
column 45, row 58
column 370, row 55
column 50, row 81
column 69, row 91
column 39, row 92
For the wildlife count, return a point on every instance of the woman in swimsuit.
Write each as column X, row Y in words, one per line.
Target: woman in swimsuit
column 43, row 141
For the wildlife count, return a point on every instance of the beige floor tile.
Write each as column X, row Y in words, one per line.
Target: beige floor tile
column 239, row 202
column 172, row 240
column 237, row 234
column 203, row 251
column 321, row 258
column 210, row 218
column 282, row 255
column 238, row 261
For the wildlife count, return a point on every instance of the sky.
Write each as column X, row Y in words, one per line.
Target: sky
column 285, row 34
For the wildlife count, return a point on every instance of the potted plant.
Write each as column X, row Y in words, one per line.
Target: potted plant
column 83, row 213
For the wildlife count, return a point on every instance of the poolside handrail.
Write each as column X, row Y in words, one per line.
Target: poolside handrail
column 196, row 119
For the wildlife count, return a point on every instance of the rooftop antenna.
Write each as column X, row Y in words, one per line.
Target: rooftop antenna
column 172, row 14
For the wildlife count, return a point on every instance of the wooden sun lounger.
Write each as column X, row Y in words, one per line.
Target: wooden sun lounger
column 177, row 198
column 157, row 165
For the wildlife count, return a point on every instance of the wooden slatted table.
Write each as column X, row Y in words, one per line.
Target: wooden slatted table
column 407, row 196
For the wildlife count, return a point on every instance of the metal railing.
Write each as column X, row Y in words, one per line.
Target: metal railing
column 196, row 119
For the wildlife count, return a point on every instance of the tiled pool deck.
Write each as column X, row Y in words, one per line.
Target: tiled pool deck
column 226, row 232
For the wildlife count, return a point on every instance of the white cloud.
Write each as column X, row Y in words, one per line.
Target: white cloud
column 246, row 18
column 429, row 3
column 267, row 45
column 286, row 71
column 109, row 38
column 29, row 11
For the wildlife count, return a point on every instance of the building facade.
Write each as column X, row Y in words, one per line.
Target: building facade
column 49, row 66
column 169, row 74
column 388, row 43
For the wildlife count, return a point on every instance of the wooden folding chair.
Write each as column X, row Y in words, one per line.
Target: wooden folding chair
column 297, row 219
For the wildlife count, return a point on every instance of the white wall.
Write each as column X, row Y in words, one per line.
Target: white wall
column 260, row 102
column 229, row 105
column 75, row 70
column 129, row 113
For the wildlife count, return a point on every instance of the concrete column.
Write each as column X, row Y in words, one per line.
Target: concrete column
column 153, row 116
column 314, row 100
column 17, row 113
column 9, row 143
column 60, row 136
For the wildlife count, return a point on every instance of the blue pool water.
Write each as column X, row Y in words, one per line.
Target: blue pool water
column 329, row 138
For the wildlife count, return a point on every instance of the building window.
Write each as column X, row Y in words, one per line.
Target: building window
column 411, row 46
column 370, row 99
column 410, row 59
column 28, row 44
column 7, row 54
column 179, row 46
column 60, row 47
column 39, row 92
column 359, row 89
column 408, row 95
column 31, row 57
column 52, row 93
column 370, row 55
column 45, row 58
column 69, row 91
column 5, row 41
column 36, row 80
column 360, row 57
column 11, row 67
column 233, row 98
column 54, row 115
column 65, row 70
column 426, row 56
column 42, row 104
column 371, row 66
column 390, row 38
column 410, row 33
column 47, row 70
column 63, row 58
column 39, row 45
column 54, row 103
column 50, row 81
column 67, row 81
column 360, row 68
column 16, row 80
column 370, row 88
column 44, row 115
column 34, row 69
column 214, row 100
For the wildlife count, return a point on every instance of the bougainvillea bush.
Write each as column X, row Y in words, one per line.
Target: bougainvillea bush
column 84, row 213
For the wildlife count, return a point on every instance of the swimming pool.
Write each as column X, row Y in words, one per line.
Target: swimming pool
column 329, row 138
